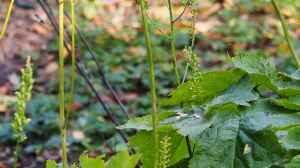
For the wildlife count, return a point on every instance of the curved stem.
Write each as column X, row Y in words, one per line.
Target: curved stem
column 286, row 33
column 152, row 80
column 172, row 38
column 7, row 18
column 61, row 75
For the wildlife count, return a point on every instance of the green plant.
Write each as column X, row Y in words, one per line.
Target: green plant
column 152, row 79
column 62, row 118
column 7, row 18
column 121, row 160
column 164, row 155
column 23, row 95
column 172, row 38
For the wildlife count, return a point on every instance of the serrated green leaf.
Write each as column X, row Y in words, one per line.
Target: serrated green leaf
column 86, row 162
column 51, row 164
column 143, row 142
column 217, row 146
column 240, row 94
column 263, row 115
column 122, row 159
column 264, row 149
column 263, row 72
column 204, row 87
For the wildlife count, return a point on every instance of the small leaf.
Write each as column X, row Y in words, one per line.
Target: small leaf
column 122, row 159
column 51, row 164
column 86, row 162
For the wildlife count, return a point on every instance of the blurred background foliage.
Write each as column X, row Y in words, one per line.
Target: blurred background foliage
column 112, row 27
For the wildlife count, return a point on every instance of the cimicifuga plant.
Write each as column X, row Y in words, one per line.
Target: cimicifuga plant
column 23, row 95
column 7, row 18
column 164, row 152
column 147, row 34
column 61, row 76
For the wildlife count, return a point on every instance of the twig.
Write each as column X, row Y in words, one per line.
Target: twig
column 188, row 2
column 286, row 33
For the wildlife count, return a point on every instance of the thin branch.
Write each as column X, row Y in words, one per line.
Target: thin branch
column 187, row 4
column 7, row 18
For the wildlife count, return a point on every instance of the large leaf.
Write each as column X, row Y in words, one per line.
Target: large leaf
column 204, row 87
column 143, row 142
column 189, row 125
column 263, row 149
column 86, row 162
column 263, row 72
column 217, row 146
column 122, row 160
column 240, row 94
column 263, row 115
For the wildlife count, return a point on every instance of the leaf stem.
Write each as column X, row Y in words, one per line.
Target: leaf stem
column 7, row 18
column 286, row 33
column 151, row 78
column 172, row 38
column 61, row 75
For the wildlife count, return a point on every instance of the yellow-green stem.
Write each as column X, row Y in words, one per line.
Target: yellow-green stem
column 7, row 18
column 172, row 38
column 73, row 67
column 286, row 33
column 152, row 79
column 61, row 86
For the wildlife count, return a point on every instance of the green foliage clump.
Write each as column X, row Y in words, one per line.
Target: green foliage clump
column 246, row 116
column 121, row 160
column 23, row 95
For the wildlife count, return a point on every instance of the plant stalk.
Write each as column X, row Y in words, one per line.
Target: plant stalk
column 17, row 153
column 73, row 61
column 61, row 75
column 172, row 38
column 152, row 80
column 7, row 18
column 286, row 33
